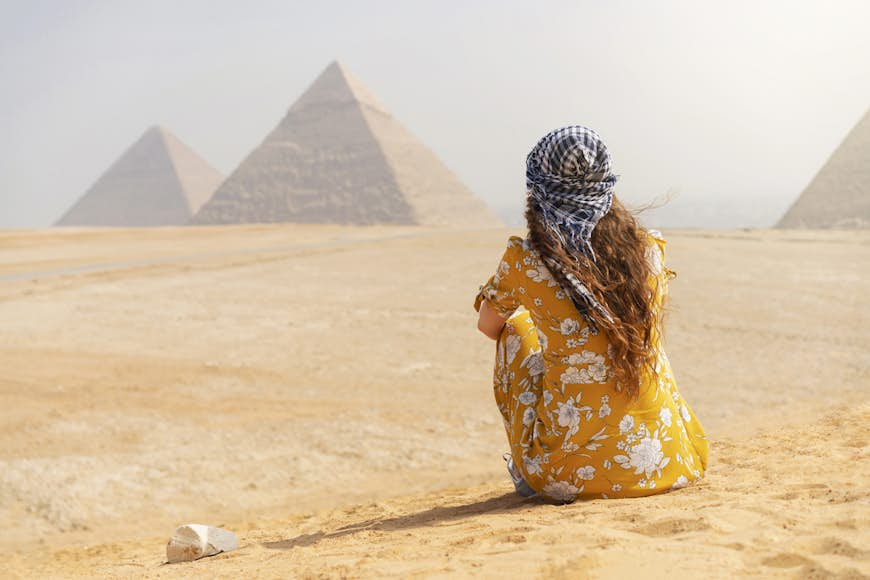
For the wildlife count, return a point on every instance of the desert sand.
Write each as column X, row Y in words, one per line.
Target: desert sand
column 323, row 392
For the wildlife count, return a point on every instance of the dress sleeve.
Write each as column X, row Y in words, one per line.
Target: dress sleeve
column 656, row 254
column 500, row 291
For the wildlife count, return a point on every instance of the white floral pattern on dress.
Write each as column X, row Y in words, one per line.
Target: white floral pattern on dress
column 533, row 464
column 665, row 416
column 527, row 398
column 682, row 481
column 529, row 416
column 535, row 363
column 561, row 491
column 569, row 326
column 626, row 425
column 512, row 347
column 587, row 472
column 569, row 415
column 548, row 364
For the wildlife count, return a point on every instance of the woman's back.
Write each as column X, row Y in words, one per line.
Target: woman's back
column 572, row 432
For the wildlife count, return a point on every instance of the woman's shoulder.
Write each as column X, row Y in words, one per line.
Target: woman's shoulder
column 517, row 246
column 655, row 240
column 515, row 241
column 656, row 250
column 656, row 237
column 520, row 244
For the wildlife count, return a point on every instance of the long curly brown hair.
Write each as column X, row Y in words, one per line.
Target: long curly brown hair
column 619, row 279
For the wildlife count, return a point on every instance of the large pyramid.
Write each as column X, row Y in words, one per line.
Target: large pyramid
column 839, row 194
column 338, row 156
column 158, row 181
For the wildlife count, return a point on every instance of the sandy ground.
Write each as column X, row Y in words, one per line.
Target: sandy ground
column 323, row 392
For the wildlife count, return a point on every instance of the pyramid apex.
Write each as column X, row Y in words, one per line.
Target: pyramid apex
column 158, row 134
column 157, row 128
column 339, row 66
column 335, row 85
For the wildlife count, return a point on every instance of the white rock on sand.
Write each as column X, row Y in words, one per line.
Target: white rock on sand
column 195, row 541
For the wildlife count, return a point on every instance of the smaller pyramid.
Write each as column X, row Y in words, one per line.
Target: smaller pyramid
column 839, row 194
column 158, row 181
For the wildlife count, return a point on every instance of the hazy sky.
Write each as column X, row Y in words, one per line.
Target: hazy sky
column 731, row 105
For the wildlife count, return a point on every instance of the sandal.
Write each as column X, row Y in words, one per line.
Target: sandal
column 520, row 484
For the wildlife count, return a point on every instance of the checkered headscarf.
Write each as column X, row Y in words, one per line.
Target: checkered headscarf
column 569, row 177
column 568, row 173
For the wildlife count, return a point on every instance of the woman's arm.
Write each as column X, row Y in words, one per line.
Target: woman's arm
column 489, row 323
column 498, row 299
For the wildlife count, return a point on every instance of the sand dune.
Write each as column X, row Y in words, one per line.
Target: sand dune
column 322, row 391
column 760, row 513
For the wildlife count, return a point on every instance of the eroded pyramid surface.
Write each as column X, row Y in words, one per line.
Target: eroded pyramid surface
column 339, row 156
column 839, row 194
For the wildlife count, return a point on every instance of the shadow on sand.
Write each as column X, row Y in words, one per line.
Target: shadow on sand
column 500, row 504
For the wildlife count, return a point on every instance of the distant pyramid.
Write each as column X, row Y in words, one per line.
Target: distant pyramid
column 158, row 181
column 338, row 156
column 839, row 194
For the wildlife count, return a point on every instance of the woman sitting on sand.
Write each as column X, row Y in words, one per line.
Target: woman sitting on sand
column 586, row 391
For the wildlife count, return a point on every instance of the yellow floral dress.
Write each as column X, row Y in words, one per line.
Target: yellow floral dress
column 571, row 433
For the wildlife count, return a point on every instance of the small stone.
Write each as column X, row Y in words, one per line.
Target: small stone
column 194, row 541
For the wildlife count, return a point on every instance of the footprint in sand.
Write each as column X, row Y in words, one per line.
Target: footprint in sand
column 787, row 560
column 809, row 568
column 673, row 527
column 463, row 542
column 837, row 547
column 513, row 539
column 803, row 490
